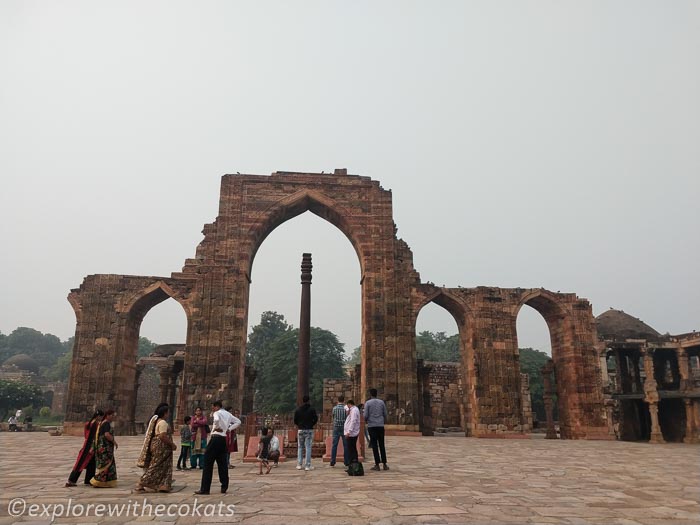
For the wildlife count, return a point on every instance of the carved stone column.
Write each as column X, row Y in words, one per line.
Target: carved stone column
column 656, row 435
column 691, row 427
column 164, row 384
column 684, row 368
column 547, row 371
column 651, row 396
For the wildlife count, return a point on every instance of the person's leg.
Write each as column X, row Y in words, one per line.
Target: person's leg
column 380, row 444
column 373, row 441
column 73, row 477
column 187, row 457
column 181, row 458
column 300, row 448
column 90, row 470
column 208, row 469
column 334, row 447
column 309, row 444
column 352, row 449
column 222, row 463
column 346, row 461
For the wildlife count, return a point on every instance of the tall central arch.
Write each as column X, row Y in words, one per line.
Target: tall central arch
column 251, row 207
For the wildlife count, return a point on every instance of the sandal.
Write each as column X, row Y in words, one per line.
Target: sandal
column 70, row 484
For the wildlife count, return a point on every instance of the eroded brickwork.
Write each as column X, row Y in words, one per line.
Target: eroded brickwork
column 213, row 289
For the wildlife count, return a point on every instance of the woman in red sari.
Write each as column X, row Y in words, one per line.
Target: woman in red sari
column 86, row 456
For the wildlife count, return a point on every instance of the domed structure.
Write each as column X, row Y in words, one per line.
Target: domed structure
column 617, row 325
column 23, row 362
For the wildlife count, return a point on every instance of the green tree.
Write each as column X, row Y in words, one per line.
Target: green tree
column 531, row 363
column 45, row 349
column 273, row 350
column 61, row 369
column 355, row 357
column 15, row 394
column 146, row 346
column 272, row 326
column 437, row 347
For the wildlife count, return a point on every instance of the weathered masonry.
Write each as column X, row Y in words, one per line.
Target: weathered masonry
column 213, row 290
column 652, row 390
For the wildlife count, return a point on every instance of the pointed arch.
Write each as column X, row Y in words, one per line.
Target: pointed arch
column 138, row 304
column 293, row 205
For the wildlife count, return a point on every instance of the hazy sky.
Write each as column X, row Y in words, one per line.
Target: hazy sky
column 527, row 144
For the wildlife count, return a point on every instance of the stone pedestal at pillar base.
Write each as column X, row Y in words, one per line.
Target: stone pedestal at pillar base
column 657, row 437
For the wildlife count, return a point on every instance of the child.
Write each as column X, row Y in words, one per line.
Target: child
column 185, row 444
column 264, row 450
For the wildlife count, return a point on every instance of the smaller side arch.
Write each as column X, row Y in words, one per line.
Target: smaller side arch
column 461, row 313
column 136, row 305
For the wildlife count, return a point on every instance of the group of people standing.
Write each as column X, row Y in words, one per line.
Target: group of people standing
column 214, row 445
column 346, row 426
column 156, row 457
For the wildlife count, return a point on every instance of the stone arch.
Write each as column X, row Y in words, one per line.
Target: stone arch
column 300, row 202
column 134, row 308
column 574, row 355
column 463, row 317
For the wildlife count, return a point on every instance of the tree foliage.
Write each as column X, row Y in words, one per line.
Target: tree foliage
column 45, row 349
column 437, row 347
column 15, row 394
column 146, row 346
column 273, row 349
column 531, row 363
column 355, row 357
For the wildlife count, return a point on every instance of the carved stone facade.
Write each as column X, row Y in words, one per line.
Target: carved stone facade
column 213, row 289
column 652, row 381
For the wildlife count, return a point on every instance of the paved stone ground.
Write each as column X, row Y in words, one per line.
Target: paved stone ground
column 437, row 480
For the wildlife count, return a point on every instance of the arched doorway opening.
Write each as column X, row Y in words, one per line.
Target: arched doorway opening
column 446, row 373
column 155, row 366
column 554, row 374
column 274, row 306
column 534, row 349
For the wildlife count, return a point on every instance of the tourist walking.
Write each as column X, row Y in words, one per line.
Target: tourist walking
column 200, row 433
column 86, row 456
column 216, row 449
column 105, row 445
column 351, row 430
column 159, row 467
column 375, row 418
column 185, row 444
column 305, row 418
column 339, row 414
column 143, row 458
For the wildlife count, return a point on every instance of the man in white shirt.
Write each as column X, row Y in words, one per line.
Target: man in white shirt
column 216, row 448
column 352, row 430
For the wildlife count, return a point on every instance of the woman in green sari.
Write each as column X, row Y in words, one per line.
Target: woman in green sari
column 159, row 470
column 105, row 445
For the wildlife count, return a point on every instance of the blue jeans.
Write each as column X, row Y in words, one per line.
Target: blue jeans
column 306, row 439
column 338, row 433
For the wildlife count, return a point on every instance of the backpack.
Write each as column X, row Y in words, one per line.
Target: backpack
column 356, row 469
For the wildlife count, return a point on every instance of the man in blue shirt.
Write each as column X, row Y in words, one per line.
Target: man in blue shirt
column 339, row 415
column 375, row 417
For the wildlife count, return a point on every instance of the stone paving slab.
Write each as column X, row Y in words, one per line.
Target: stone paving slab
column 453, row 480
